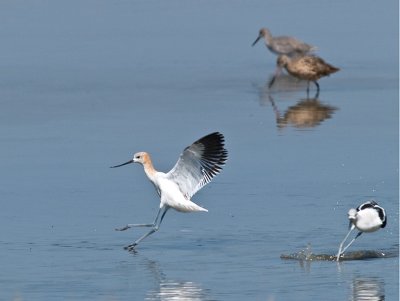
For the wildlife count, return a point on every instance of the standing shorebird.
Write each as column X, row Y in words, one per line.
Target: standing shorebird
column 368, row 217
column 196, row 167
column 306, row 67
column 283, row 44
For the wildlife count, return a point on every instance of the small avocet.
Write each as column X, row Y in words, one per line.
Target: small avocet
column 368, row 217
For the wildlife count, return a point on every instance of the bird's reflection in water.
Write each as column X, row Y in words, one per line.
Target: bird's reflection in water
column 177, row 290
column 180, row 291
column 367, row 289
column 285, row 84
column 307, row 113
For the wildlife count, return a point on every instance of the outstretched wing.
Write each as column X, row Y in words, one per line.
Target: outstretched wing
column 199, row 163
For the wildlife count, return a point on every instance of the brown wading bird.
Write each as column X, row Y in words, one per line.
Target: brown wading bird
column 306, row 67
column 283, row 44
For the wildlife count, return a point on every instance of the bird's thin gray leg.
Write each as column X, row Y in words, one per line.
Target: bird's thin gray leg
column 308, row 87
column 316, row 83
column 271, row 82
column 140, row 225
column 342, row 243
column 155, row 228
column 346, row 247
column 276, row 74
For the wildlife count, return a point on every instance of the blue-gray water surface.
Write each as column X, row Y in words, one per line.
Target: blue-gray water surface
column 85, row 84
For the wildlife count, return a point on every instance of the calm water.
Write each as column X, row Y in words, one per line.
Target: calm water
column 85, row 84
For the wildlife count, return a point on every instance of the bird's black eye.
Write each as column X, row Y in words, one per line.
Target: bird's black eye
column 138, row 157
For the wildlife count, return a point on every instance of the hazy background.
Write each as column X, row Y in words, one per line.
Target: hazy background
column 85, row 84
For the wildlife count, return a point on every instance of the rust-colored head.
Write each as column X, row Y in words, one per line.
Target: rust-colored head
column 141, row 157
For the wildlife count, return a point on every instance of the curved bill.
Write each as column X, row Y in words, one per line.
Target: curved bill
column 255, row 42
column 129, row 162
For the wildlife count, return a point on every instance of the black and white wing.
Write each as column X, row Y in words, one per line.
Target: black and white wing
column 367, row 204
column 199, row 163
column 382, row 215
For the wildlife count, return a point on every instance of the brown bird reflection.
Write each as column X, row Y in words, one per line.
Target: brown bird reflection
column 285, row 83
column 307, row 113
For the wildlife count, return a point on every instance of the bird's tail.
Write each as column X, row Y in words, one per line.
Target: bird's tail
column 332, row 69
column 189, row 206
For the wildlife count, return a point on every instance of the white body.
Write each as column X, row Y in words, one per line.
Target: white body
column 367, row 220
column 172, row 196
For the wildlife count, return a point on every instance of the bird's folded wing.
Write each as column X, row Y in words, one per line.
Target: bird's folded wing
column 369, row 204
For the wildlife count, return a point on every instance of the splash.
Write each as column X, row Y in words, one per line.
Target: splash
column 307, row 255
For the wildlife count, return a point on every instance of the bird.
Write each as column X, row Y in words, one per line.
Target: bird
column 197, row 165
column 305, row 67
column 368, row 217
column 283, row 44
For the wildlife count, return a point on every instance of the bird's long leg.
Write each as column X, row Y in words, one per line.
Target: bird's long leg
column 346, row 247
column 156, row 226
column 276, row 74
column 316, row 83
column 140, row 225
column 308, row 88
column 271, row 82
column 342, row 243
column 316, row 95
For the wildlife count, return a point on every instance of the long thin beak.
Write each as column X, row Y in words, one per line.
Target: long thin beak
column 255, row 42
column 126, row 163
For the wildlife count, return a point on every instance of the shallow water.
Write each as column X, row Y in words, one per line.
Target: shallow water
column 85, row 84
column 307, row 255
